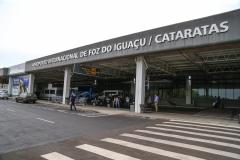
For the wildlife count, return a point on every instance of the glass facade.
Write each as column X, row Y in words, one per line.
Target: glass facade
column 226, row 93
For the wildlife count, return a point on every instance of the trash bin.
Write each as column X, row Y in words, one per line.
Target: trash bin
column 132, row 108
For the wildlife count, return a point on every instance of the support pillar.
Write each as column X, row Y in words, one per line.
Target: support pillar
column 189, row 90
column 140, row 83
column 31, row 83
column 66, row 86
column 10, row 83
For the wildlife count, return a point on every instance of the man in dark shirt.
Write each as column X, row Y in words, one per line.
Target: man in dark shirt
column 72, row 99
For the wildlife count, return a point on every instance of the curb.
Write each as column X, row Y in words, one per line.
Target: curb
column 153, row 116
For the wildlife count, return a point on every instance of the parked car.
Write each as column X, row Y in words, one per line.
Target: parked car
column 26, row 98
column 85, row 97
column 107, row 97
column 3, row 94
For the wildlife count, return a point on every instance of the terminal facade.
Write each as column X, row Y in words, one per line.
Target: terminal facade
column 187, row 64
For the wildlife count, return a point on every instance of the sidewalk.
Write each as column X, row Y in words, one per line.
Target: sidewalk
column 201, row 118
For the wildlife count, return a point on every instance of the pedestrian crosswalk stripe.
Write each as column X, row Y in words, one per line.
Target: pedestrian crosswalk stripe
column 151, row 149
column 196, row 133
column 190, row 138
column 184, row 145
column 55, row 156
column 197, row 125
column 219, row 125
column 198, row 129
column 105, row 153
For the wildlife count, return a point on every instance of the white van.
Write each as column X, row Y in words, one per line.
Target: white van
column 52, row 94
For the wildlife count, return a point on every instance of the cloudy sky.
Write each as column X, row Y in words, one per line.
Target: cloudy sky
column 31, row 29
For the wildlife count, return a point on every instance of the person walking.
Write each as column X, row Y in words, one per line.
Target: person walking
column 72, row 103
column 156, row 101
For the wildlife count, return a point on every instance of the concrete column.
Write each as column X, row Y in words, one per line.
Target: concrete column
column 140, row 83
column 189, row 90
column 66, row 86
column 31, row 83
column 10, row 83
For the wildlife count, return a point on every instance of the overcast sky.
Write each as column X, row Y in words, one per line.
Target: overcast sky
column 31, row 29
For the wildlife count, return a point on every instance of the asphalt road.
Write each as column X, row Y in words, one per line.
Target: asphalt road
column 26, row 125
column 40, row 132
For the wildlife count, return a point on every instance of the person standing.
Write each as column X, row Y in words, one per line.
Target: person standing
column 156, row 101
column 114, row 102
column 73, row 99
column 117, row 102
column 127, row 99
column 217, row 102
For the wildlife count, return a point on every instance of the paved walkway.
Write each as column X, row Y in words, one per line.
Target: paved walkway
column 208, row 117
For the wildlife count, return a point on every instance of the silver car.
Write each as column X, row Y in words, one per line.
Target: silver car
column 26, row 98
column 3, row 95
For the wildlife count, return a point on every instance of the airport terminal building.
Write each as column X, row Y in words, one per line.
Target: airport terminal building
column 187, row 64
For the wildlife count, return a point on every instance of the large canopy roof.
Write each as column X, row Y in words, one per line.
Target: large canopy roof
column 203, row 62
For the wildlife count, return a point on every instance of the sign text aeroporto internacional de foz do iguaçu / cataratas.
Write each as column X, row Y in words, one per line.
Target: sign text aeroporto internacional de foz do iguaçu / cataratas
column 139, row 43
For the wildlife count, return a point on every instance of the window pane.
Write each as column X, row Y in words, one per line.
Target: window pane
column 46, row 92
column 237, row 93
column 229, row 93
column 52, row 91
column 214, row 92
column 210, row 92
column 221, row 93
column 201, row 92
column 198, row 92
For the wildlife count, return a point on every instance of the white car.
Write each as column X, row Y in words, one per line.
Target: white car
column 3, row 95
